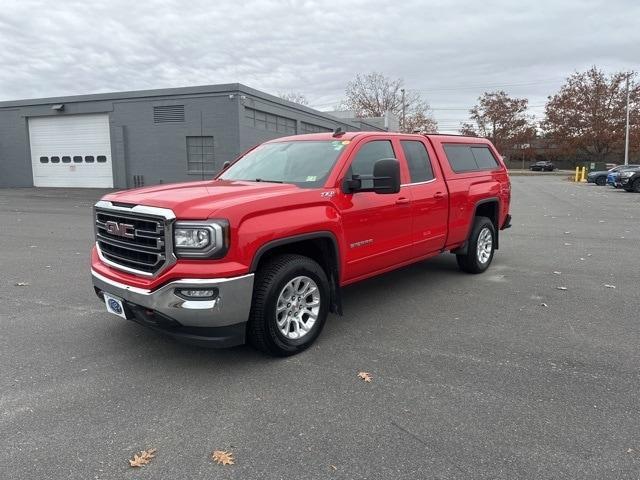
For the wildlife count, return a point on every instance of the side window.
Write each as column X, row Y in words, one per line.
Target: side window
column 77, row 159
column 89, row 159
column 55, row 159
column 66, row 159
column 369, row 154
column 460, row 158
column 44, row 159
column 484, row 158
column 417, row 160
column 468, row 158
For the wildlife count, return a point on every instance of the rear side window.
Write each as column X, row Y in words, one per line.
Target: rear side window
column 467, row 158
column 484, row 158
column 417, row 160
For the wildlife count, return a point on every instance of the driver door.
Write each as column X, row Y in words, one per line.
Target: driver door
column 377, row 227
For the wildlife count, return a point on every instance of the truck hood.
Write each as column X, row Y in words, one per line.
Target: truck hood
column 199, row 200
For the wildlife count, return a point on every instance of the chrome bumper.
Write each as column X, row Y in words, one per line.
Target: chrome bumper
column 230, row 306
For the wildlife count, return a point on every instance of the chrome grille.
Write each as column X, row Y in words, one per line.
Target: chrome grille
column 133, row 241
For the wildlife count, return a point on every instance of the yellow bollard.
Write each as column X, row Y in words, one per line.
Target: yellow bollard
column 577, row 178
column 584, row 174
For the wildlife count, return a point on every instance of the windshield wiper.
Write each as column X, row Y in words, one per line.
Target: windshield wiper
column 268, row 181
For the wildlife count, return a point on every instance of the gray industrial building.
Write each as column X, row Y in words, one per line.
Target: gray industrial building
column 147, row 137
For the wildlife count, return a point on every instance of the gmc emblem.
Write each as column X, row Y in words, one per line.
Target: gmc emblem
column 120, row 229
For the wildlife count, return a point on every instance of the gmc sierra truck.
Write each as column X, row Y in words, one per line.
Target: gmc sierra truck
column 260, row 253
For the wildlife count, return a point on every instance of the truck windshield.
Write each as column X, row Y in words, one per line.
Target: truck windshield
column 303, row 163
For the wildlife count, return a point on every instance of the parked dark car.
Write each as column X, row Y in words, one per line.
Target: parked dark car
column 544, row 166
column 613, row 178
column 630, row 180
column 600, row 177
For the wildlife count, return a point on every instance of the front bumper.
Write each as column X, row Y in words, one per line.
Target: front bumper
column 219, row 321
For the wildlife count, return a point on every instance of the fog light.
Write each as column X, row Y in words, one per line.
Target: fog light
column 197, row 293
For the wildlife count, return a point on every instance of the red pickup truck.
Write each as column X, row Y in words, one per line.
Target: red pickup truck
column 261, row 252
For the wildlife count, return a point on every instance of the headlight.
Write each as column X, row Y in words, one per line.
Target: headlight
column 209, row 239
column 627, row 174
column 196, row 238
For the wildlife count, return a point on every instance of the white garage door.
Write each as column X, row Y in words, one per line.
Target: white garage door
column 71, row 151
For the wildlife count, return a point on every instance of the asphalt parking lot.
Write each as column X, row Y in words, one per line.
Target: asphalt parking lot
column 473, row 377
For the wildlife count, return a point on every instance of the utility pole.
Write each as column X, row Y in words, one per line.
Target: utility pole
column 626, row 137
column 404, row 108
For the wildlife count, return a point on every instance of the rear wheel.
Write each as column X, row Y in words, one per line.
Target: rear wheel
column 290, row 305
column 601, row 181
column 636, row 185
column 480, row 248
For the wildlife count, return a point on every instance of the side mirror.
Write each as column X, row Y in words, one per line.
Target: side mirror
column 225, row 165
column 386, row 176
column 385, row 179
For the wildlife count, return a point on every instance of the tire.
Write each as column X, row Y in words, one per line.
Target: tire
column 474, row 261
column 275, row 281
column 601, row 181
column 636, row 185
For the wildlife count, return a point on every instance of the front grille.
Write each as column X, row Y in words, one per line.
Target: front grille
column 136, row 242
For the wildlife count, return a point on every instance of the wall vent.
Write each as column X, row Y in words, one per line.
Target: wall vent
column 168, row 114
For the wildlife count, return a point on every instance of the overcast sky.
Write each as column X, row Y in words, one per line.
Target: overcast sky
column 449, row 51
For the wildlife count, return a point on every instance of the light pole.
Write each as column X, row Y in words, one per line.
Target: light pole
column 403, row 109
column 626, row 136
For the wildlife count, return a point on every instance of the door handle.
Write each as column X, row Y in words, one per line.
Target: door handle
column 402, row 201
column 438, row 195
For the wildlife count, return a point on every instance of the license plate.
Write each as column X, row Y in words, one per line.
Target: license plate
column 114, row 305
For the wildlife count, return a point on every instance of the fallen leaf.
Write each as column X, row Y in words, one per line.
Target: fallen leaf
column 567, row 244
column 561, row 288
column 557, row 273
column 22, row 284
column 567, row 233
column 222, row 457
column 609, row 286
column 333, row 467
column 630, row 450
column 544, row 305
column 366, row 376
column 143, row 458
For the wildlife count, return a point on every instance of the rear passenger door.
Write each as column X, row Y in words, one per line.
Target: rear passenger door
column 377, row 227
column 430, row 199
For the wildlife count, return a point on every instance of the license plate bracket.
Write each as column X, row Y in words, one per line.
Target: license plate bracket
column 115, row 305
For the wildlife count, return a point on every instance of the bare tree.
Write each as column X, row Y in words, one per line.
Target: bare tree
column 587, row 115
column 373, row 94
column 501, row 119
column 295, row 97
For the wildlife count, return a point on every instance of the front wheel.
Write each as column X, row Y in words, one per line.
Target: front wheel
column 601, row 181
column 636, row 186
column 481, row 247
column 290, row 305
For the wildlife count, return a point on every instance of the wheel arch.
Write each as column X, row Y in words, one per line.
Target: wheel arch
column 487, row 207
column 321, row 246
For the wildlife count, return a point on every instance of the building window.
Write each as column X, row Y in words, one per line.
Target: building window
column 269, row 121
column 311, row 128
column 200, row 155
column 168, row 114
